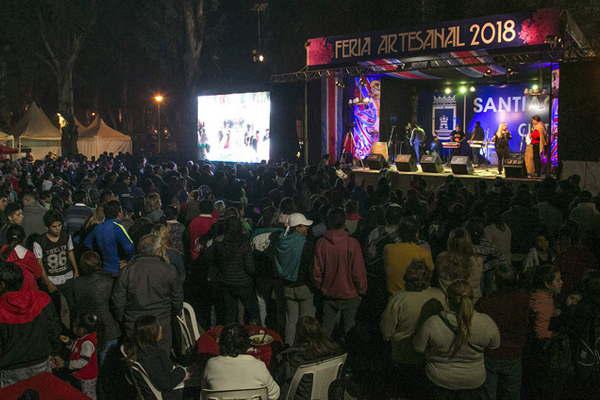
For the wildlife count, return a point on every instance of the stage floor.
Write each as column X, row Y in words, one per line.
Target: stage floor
column 401, row 179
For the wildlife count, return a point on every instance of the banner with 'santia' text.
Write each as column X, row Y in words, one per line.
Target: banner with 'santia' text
column 493, row 32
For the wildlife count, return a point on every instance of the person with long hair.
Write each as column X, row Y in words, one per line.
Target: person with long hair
column 152, row 207
column 234, row 369
column 168, row 253
column 536, row 143
column 454, row 343
column 460, row 262
column 142, row 346
column 500, row 140
column 15, row 252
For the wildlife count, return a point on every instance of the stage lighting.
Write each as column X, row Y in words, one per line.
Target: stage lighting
column 362, row 81
column 462, row 90
column 488, row 72
column 535, row 87
column 472, row 89
column 401, row 66
column 510, row 71
column 447, row 90
column 340, row 84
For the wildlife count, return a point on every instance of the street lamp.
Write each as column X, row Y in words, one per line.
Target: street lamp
column 158, row 99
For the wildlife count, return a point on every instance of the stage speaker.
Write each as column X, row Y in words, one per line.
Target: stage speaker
column 461, row 165
column 375, row 161
column 406, row 163
column 514, row 166
column 432, row 163
column 380, row 148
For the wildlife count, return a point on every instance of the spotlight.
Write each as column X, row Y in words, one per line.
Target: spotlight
column 362, row 81
column 488, row 72
column 462, row 90
column 535, row 87
column 340, row 84
column 257, row 56
column 447, row 90
column 472, row 89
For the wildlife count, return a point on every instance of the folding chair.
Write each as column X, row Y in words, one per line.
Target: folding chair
column 323, row 373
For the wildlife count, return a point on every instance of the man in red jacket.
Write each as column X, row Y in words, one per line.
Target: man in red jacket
column 339, row 273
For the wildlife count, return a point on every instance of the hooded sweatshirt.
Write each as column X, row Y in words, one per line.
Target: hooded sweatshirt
column 29, row 328
column 339, row 268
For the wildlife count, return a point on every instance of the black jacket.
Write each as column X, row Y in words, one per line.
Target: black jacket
column 148, row 285
column 163, row 374
column 233, row 262
column 29, row 329
column 92, row 295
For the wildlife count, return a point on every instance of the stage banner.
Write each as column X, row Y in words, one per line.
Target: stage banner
column 491, row 105
column 366, row 104
column 332, row 124
column 554, row 132
column 492, row 32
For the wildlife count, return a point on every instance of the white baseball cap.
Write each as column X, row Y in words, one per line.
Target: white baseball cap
column 296, row 219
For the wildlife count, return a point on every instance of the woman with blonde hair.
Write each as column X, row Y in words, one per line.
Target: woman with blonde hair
column 454, row 343
column 460, row 262
column 168, row 253
column 500, row 140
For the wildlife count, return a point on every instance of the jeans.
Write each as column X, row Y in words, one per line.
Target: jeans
column 299, row 302
column 88, row 387
column 475, row 153
column 106, row 347
column 247, row 296
column 10, row 376
column 334, row 309
column 503, row 380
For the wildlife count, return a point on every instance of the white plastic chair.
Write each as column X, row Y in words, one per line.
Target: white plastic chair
column 137, row 368
column 238, row 394
column 323, row 373
column 188, row 328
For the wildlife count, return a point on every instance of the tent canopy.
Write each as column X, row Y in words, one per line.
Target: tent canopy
column 98, row 138
column 5, row 137
column 35, row 125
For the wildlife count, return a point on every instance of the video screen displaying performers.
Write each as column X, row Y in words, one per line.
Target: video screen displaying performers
column 234, row 127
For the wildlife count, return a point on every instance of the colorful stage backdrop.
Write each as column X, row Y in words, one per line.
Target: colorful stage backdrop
column 366, row 115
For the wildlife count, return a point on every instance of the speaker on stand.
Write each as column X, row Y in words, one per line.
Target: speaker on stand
column 406, row 163
column 432, row 163
column 461, row 165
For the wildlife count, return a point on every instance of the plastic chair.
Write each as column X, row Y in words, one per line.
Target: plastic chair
column 188, row 329
column 238, row 394
column 323, row 373
column 142, row 375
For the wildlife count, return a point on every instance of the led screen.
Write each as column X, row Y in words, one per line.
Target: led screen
column 234, row 127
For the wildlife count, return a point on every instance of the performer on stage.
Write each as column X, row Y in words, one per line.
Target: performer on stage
column 457, row 136
column 501, row 139
column 476, row 135
column 417, row 139
column 536, row 142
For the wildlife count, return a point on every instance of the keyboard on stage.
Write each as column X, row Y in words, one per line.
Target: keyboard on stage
column 450, row 145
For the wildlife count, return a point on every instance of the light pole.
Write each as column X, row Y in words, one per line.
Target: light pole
column 158, row 98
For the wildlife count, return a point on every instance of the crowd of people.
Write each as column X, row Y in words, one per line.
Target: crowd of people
column 449, row 292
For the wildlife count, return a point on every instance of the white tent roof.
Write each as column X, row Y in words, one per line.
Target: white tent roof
column 4, row 137
column 99, row 128
column 35, row 125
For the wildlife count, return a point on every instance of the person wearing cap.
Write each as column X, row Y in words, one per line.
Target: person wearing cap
column 293, row 258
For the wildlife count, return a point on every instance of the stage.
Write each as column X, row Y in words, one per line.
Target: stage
column 401, row 180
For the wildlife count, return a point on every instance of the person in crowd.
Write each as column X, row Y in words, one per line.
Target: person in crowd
column 405, row 312
column 29, row 328
column 585, row 214
column 575, row 259
column 111, row 240
column 77, row 214
column 541, row 253
column 293, row 260
column 175, row 228
column 339, row 273
column 152, row 206
column 545, row 382
column 56, row 253
column 34, row 275
column 548, row 212
column 148, row 286
column 381, row 236
column 311, row 344
column 352, row 216
column 33, row 215
column 509, row 308
column 498, row 233
column 460, row 262
column 523, row 224
column 91, row 292
column 14, row 216
column 199, row 227
column 234, row 369
column 167, row 252
column 82, row 363
column 398, row 256
column 233, row 267
column 454, row 343
column 143, row 346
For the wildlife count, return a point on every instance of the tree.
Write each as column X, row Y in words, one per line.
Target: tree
column 63, row 27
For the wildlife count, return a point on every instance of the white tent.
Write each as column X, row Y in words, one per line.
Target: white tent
column 7, row 138
column 36, row 131
column 98, row 138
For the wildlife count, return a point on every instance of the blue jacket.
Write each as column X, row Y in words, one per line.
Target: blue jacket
column 113, row 243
